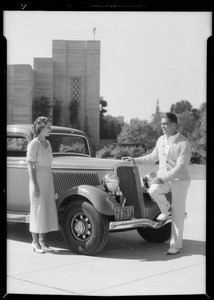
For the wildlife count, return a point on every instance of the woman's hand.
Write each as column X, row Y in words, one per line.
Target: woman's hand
column 36, row 191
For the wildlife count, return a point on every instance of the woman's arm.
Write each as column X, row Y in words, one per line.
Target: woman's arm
column 32, row 174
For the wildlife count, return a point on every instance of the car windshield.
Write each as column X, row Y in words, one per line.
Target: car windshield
column 62, row 144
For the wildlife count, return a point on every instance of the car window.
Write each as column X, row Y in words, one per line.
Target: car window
column 68, row 144
column 16, row 146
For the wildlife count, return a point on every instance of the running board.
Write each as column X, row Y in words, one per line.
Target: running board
column 20, row 218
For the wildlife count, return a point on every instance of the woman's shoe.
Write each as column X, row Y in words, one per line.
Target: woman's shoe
column 37, row 248
column 45, row 248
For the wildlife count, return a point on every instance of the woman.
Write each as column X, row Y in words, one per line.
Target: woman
column 43, row 211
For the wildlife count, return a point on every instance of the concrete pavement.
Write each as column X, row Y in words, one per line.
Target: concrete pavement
column 127, row 266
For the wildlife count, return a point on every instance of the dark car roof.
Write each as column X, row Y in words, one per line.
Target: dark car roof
column 55, row 129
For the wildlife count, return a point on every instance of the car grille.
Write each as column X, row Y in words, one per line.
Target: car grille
column 131, row 189
column 66, row 180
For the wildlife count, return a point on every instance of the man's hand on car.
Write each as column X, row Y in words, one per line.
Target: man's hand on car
column 128, row 158
column 157, row 180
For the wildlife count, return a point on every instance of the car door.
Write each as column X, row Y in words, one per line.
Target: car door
column 17, row 174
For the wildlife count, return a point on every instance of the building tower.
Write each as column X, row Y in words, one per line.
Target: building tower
column 77, row 78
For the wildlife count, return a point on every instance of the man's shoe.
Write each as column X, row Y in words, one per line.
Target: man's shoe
column 163, row 217
column 172, row 251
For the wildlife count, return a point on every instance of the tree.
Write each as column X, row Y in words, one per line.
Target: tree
column 138, row 132
column 203, row 108
column 200, row 125
column 203, row 128
column 198, row 139
column 86, row 127
column 41, row 107
column 156, row 120
column 111, row 127
column 57, row 109
column 186, row 123
column 103, row 104
column 181, row 106
column 74, row 110
column 192, row 123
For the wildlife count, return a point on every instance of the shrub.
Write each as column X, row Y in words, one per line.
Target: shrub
column 120, row 151
column 133, row 151
column 104, row 152
column 197, row 157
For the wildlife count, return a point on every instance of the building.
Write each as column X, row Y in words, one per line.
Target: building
column 20, row 92
column 71, row 74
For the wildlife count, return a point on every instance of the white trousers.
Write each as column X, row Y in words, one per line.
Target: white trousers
column 179, row 191
column 157, row 193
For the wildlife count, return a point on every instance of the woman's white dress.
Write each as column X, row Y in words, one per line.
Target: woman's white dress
column 43, row 210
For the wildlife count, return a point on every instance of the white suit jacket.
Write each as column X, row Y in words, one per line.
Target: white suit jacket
column 173, row 163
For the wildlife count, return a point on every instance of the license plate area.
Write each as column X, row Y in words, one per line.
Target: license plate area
column 124, row 213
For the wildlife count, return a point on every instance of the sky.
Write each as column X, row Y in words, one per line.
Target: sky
column 145, row 56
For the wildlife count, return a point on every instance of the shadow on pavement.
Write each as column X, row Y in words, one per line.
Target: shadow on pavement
column 124, row 245
column 147, row 251
column 20, row 232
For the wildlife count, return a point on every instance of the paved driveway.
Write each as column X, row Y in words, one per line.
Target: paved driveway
column 127, row 266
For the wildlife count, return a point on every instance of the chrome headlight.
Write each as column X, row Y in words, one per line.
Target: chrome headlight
column 110, row 182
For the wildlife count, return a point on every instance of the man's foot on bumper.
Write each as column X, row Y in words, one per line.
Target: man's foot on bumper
column 163, row 217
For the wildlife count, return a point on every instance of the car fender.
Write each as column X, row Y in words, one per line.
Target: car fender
column 101, row 200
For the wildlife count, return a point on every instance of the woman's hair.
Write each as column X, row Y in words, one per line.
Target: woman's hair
column 171, row 117
column 39, row 124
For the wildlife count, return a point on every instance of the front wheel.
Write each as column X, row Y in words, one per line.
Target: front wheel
column 158, row 235
column 84, row 228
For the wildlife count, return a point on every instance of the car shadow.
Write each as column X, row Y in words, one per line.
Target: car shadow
column 120, row 245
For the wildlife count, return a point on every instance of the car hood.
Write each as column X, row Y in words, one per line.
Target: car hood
column 91, row 163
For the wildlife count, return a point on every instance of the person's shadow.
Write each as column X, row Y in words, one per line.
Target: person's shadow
column 123, row 245
column 134, row 247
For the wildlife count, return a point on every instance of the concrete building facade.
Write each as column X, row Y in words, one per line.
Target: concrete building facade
column 43, row 78
column 77, row 77
column 20, row 92
column 73, row 73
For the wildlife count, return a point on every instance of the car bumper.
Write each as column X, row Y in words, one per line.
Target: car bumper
column 135, row 223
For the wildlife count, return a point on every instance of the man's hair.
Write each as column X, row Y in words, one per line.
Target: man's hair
column 171, row 117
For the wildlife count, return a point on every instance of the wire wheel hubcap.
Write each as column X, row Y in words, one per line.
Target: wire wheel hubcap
column 81, row 227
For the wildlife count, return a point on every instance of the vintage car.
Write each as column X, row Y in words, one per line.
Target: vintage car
column 95, row 196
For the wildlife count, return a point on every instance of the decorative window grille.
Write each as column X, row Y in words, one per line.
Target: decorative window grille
column 75, row 88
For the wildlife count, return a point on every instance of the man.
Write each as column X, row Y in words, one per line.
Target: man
column 172, row 150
